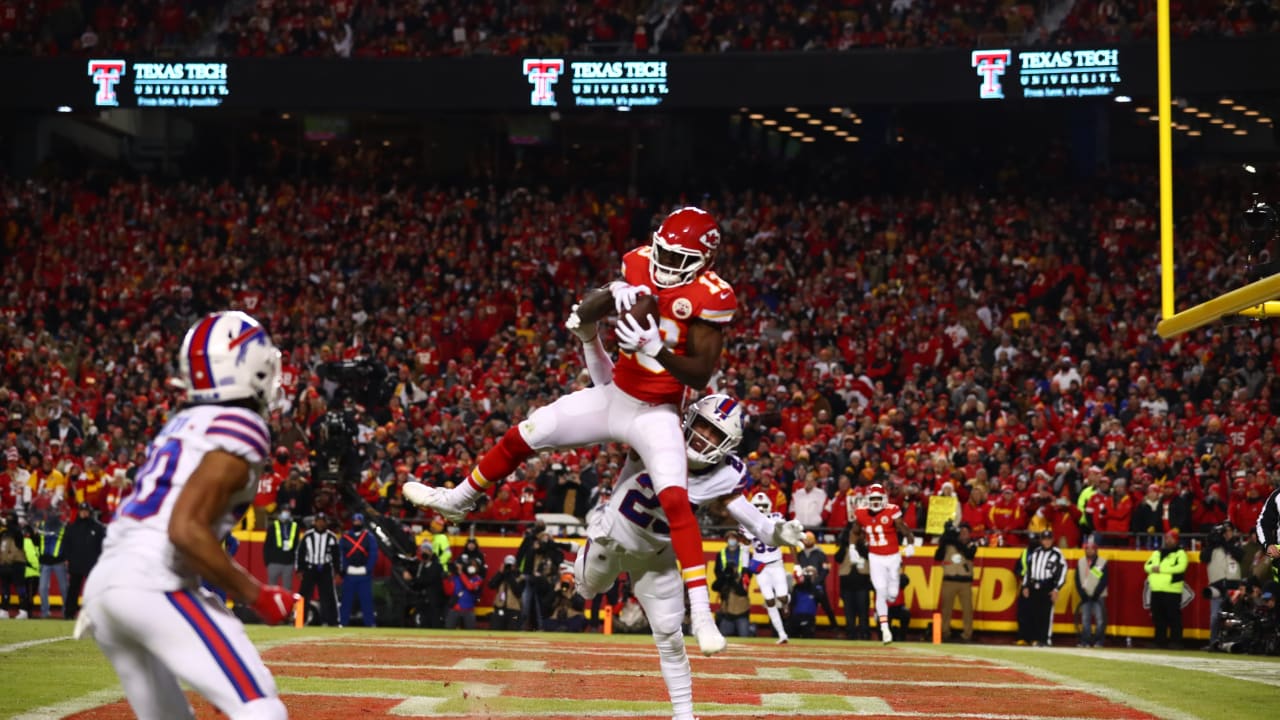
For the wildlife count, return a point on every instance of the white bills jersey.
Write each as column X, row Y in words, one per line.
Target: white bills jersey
column 634, row 518
column 761, row 552
column 137, row 552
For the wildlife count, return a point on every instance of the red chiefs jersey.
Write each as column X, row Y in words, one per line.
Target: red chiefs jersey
column 880, row 528
column 707, row 298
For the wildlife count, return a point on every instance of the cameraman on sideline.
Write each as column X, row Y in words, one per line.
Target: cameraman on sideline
column 1222, row 553
column 956, row 551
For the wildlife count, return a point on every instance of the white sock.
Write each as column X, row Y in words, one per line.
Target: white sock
column 775, row 617
column 466, row 493
column 676, row 674
column 699, row 602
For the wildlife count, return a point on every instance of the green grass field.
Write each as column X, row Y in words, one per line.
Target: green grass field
column 330, row 672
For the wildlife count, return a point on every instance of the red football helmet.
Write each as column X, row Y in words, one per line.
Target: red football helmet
column 683, row 246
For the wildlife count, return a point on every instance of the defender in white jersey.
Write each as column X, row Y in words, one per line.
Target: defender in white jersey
column 631, row 535
column 143, row 602
column 766, row 565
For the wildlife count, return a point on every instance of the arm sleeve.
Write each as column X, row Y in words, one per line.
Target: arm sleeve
column 599, row 364
column 1268, row 524
column 751, row 519
column 1062, row 571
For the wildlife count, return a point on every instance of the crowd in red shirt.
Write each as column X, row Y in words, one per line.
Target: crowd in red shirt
column 365, row 28
column 998, row 348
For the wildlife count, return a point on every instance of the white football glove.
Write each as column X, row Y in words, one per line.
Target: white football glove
column 634, row 337
column 790, row 533
column 909, row 549
column 624, row 295
column 585, row 331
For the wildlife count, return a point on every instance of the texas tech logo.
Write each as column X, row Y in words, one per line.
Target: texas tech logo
column 106, row 74
column 991, row 65
column 543, row 74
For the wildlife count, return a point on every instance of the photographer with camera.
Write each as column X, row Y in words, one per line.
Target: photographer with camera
column 802, row 617
column 731, row 582
column 565, row 605
column 508, row 587
column 463, row 588
column 956, row 551
column 536, row 548
column 427, row 583
column 1224, row 551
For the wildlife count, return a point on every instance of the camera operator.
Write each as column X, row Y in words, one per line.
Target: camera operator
column 463, row 587
column 1224, row 551
column 535, row 549
column 565, row 604
column 956, row 551
column 508, row 586
column 471, row 555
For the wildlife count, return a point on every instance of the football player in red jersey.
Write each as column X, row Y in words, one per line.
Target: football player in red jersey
column 641, row 407
column 881, row 521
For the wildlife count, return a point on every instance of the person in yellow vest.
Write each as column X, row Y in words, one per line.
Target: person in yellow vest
column 32, row 574
column 53, row 559
column 280, row 550
column 734, row 617
column 440, row 543
column 1165, row 571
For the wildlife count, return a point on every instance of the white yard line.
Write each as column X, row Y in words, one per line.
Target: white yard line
column 14, row 647
column 1267, row 673
column 94, row 699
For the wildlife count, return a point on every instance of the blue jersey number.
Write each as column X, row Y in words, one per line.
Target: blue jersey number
column 638, row 507
column 154, row 481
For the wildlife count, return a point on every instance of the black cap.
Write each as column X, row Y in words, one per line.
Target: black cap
column 86, row 506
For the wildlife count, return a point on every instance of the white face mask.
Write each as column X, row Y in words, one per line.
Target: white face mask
column 731, row 544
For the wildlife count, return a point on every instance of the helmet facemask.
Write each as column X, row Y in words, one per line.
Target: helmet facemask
column 712, row 429
column 673, row 266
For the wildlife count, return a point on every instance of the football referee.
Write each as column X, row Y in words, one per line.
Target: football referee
column 318, row 561
column 1044, row 572
column 1268, row 525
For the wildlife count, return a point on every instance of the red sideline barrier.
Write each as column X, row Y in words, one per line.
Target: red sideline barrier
column 995, row 586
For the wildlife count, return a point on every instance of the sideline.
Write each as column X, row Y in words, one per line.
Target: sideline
column 31, row 643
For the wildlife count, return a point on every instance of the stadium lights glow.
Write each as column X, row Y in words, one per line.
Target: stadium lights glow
column 743, row 109
column 842, row 133
column 756, row 116
column 1203, row 115
column 386, row 143
column 784, row 128
column 1189, row 109
column 899, row 138
column 829, row 128
column 1226, row 101
column 1252, row 113
column 806, row 139
column 797, row 134
column 1217, row 121
column 1250, row 169
column 803, row 116
column 1264, row 120
column 836, row 110
column 1241, row 132
column 1228, row 126
column 851, row 138
column 791, row 109
column 1239, row 108
column 770, row 122
column 1123, row 99
column 64, row 108
column 1142, row 109
column 1154, row 118
column 1194, row 133
column 814, row 121
column 857, row 121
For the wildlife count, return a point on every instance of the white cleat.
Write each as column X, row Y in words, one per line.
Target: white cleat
column 710, row 641
column 437, row 499
column 782, row 641
column 886, row 636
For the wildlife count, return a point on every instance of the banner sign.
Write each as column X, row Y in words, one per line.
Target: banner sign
column 1067, row 73
column 995, row 588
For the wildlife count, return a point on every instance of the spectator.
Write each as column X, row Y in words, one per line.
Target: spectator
column 956, row 551
column 1147, row 518
column 13, row 566
column 802, row 618
column 84, row 544
column 1092, row 577
column 1165, row 570
column 427, row 583
column 358, row 551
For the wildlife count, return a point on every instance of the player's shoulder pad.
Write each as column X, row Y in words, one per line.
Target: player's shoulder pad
column 714, row 299
column 635, row 266
column 240, row 432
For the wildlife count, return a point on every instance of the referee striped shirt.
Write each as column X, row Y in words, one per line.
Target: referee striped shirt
column 1268, row 525
column 1046, row 568
column 318, row 549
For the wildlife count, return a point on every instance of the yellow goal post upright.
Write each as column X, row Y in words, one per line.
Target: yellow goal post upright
column 1254, row 299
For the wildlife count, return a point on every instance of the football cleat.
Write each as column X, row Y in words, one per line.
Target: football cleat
column 782, row 641
column 710, row 641
column 886, row 635
column 435, row 498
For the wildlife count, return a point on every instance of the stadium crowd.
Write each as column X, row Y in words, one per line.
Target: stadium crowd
column 397, row 28
column 1002, row 352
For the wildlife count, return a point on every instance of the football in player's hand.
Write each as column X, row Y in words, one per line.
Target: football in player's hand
column 646, row 307
column 595, row 305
